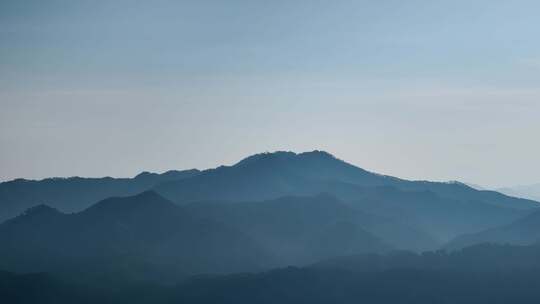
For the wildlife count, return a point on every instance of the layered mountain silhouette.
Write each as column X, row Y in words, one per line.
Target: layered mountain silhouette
column 304, row 228
column 76, row 193
column 144, row 236
column 444, row 210
column 524, row 231
column 441, row 210
column 270, row 175
column 442, row 217
column 147, row 231
column 342, row 228
column 148, row 236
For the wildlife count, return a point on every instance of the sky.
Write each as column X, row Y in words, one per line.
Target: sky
column 436, row 90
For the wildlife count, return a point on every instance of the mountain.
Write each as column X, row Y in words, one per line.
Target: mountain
column 142, row 236
column 300, row 230
column 440, row 210
column 524, row 231
column 271, row 175
column 527, row 191
column 442, row 217
column 148, row 236
column 76, row 193
column 418, row 203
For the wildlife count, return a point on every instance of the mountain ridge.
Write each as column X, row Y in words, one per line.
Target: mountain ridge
column 145, row 235
column 523, row 231
column 72, row 194
column 268, row 176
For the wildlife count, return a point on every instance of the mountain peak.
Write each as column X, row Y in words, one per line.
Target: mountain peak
column 265, row 156
column 147, row 199
column 39, row 211
column 317, row 153
column 145, row 174
column 283, row 155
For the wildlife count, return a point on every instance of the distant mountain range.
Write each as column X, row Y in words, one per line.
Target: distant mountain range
column 149, row 236
column 148, row 232
column 441, row 211
column 133, row 239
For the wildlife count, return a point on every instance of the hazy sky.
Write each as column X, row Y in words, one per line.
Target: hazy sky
column 442, row 90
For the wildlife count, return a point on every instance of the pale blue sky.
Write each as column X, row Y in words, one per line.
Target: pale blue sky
column 437, row 90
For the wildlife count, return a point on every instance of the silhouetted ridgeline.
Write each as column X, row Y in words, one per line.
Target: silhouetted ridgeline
column 144, row 236
column 343, row 229
column 76, row 193
column 156, row 238
column 442, row 210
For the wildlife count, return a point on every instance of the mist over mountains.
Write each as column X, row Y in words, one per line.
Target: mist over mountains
column 268, row 211
column 523, row 231
column 269, row 176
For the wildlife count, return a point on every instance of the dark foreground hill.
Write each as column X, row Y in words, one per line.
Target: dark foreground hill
column 477, row 275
